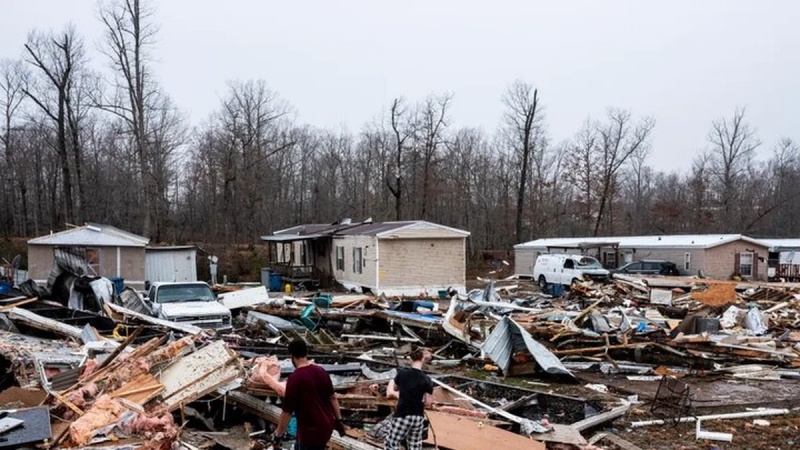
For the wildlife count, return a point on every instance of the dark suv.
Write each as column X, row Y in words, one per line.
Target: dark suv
column 649, row 267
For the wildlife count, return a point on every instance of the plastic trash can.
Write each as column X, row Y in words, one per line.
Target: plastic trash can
column 265, row 276
column 274, row 282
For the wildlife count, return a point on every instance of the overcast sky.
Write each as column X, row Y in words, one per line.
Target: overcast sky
column 339, row 63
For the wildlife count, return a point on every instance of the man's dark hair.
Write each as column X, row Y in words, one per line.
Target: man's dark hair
column 298, row 348
column 417, row 354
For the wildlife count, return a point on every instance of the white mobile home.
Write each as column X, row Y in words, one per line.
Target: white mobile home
column 714, row 255
column 394, row 258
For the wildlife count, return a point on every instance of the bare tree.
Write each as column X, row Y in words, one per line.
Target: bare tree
column 523, row 119
column 582, row 166
column 58, row 60
column 135, row 98
column 619, row 140
column 733, row 143
column 402, row 128
column 433, row 122
column 639, row 182
column 12, row 80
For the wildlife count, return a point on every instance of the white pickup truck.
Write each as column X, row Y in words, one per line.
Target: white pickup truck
column 192, row 302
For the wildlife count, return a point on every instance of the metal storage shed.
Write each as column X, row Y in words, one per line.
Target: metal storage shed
column 176, row 263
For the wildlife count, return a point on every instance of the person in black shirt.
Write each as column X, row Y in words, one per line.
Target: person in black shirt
column 413, row 389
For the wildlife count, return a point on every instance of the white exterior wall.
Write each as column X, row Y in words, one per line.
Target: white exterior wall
column 369, row 255
column 525, row 258
column 171, row 265
column 413, row 266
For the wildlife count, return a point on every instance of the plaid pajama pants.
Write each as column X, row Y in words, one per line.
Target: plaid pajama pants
column 410, row 429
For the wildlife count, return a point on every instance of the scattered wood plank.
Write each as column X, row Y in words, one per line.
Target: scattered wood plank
column 272, row 413
column 140, row 389
column 18, row 304
column 598, row 419
column 614, row 439
column 564, row 434
column 462, row 433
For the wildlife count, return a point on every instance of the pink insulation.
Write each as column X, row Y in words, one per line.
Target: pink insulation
column 268, row 371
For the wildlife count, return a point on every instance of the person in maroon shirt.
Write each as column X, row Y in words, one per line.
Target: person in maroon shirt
column 309, row 395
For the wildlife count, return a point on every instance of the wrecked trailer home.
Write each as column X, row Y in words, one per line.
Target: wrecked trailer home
column 603, row 363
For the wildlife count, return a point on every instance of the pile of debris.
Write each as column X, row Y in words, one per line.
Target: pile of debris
column 510, row 364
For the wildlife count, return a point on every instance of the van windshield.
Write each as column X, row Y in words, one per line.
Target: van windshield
column 587, row 262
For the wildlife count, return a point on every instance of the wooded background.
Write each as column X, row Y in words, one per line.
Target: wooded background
column 79, row 145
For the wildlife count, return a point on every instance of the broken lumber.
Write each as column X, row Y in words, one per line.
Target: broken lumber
column 462, row 433
column 528, row 426
column 273, row 413
column 17, row 304
column 598, row 419
column 184, row 327
column 614, row 439
column 577, row 351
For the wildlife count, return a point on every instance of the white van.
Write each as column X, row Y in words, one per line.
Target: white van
column 567, row 269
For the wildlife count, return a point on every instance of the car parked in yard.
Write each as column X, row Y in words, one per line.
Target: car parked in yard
column 649, row 267
column 567, row 269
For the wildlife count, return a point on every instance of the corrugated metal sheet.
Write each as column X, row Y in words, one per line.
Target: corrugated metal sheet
column 170, row 264
column 507, row 336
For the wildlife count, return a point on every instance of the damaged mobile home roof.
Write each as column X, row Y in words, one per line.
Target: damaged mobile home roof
column 92, row 234
column 777, row 245
column 667, row 241
column 378, row 229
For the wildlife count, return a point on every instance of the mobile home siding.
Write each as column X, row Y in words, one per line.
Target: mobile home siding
column 720, row 260
column 131, row 259
column 418, row 263
column 369, row 256
column 674, row 255
column 40, row 262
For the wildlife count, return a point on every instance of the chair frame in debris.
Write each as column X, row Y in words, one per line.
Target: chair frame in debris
column 672, row 400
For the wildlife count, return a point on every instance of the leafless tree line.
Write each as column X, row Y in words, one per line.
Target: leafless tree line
column 79, row 146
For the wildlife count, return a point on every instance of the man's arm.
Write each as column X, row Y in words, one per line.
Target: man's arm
column 391, row 390
column 283, row 422
column 427, row 399
column 288, row 407
column 337, row 413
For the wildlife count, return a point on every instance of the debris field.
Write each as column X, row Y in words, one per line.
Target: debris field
column 633, row 363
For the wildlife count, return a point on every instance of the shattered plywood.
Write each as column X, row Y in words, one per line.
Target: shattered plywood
column 563, row 434
column 140, row 389
column 190, row 368
column 461, row 433
column 17, row 397
column 201, row 387
column 197, row 374
column 183, row 327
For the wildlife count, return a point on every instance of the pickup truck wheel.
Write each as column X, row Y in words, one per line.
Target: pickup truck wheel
column 542, row 282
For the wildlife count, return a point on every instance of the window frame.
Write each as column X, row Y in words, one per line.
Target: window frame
column 358, row 260
column 687, row 261
column 742, row 264
column 340, row 258
column 608, row 256
column 94, row 266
